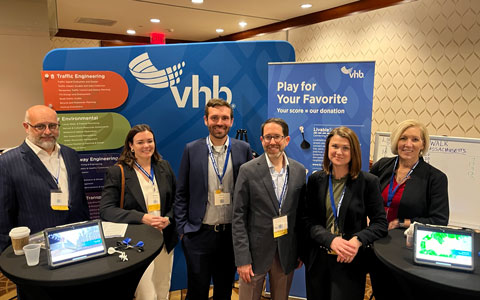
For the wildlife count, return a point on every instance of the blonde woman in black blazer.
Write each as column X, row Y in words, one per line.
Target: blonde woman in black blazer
column 412, row 190
column 334, row 254
column 149, row 180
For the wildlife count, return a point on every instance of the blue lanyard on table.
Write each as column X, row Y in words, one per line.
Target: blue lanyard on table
column 391, row 190
column 215, row 167
column 335, row 210
column 282, row 194
column 150, row 176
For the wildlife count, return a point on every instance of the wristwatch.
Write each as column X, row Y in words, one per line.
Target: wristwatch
column 401, row 223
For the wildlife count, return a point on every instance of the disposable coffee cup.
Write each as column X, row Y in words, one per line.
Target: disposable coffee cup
column 20, row 237
column 32, row 254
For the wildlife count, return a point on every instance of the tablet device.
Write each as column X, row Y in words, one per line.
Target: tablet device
column 74, row 243
column 444, row 247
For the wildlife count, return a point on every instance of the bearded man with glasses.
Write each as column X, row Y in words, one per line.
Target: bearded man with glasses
column 41, row 184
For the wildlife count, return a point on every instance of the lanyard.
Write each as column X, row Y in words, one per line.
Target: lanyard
column 336, row 211
column 391, row 191
column 282, row 194
column 58, row 170
column 150, row 176
column 214, row 163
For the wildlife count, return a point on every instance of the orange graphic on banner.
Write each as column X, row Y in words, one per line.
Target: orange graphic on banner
column 83, row 90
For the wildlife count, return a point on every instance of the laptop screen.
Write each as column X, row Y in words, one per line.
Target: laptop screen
column 444, row 247
column 76, row 242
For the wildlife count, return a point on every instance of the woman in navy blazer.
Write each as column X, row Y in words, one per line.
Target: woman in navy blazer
column 338, row 234
column 148, row 199
column 412, row 190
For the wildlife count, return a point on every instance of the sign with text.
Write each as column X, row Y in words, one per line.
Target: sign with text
column 168, row 86
column 94, row 166
column 93, row 131
column 83, row 90
column 314, row 98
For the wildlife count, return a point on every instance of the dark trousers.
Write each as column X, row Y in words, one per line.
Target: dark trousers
column 209, row 256
column 328, row 279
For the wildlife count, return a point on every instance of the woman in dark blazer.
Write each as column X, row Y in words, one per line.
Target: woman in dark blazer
column 412, row 190
column 148, row 199
column 337, row 235
column 422, row 193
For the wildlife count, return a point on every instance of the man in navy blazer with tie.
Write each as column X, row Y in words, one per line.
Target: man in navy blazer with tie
column 41, row 184
column 203, row 204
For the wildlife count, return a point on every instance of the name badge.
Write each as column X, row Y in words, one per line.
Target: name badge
column 58, row 200
column 153, row 202
column 221, row 198
column 280, row 226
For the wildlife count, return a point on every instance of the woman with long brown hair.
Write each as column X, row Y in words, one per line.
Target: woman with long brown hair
column 148, row 199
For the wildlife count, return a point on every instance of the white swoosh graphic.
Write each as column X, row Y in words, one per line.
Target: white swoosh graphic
column 145, row 72
column 345, row 70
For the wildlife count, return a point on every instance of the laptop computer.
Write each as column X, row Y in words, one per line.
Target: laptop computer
column 73, row 243
column 444, row 247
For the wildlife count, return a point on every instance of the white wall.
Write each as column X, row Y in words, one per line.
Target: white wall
column 24, row 41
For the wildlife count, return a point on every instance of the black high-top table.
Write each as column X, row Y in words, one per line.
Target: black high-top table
column 101, row 278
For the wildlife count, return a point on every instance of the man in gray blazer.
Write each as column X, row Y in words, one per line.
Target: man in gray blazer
column 41, row 184
column 267, row 193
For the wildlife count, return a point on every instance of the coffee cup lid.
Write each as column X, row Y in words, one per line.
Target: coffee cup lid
column 19, row 231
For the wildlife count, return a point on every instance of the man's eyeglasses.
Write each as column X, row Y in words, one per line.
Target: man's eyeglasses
column 42, row 127
column 277, row 138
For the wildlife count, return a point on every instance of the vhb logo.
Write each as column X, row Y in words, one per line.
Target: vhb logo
column 145, row 72
column 354, row 74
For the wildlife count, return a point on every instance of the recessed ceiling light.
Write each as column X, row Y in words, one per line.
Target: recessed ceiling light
column 242, row 24
column 219, row 30
column 197, row 1
column 131, row 31
column 306, row 5
column 155, row 20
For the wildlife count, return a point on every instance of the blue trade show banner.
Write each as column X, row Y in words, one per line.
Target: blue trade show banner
column 101, row 92
column 314, row 98
column 165, row 86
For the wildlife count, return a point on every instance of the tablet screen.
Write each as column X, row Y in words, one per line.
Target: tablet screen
column 444, row 247
column 73, row 243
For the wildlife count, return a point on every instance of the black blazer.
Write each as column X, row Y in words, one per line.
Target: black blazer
column 134, row 206
column 362, row 199
column 425, row 198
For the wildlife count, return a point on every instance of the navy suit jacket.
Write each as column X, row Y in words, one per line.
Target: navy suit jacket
column 25, row 186
column 255, row 205
column 192, row 184
column 134, row 206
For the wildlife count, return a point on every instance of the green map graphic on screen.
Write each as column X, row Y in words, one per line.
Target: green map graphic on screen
column 93, row 131
column 441, row 244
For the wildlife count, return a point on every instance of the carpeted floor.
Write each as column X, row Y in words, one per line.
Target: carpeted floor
column 8, row 291
column 7, row 288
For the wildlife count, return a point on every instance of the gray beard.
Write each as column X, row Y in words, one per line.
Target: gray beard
column 45, row 145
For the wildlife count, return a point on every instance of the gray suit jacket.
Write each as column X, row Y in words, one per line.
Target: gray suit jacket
column 255, row 205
